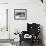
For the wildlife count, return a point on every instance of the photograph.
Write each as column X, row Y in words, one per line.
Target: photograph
column 20, row 14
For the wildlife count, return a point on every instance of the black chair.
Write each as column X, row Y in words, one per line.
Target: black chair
column 32, row 29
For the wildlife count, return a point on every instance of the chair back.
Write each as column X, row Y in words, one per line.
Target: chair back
column 33, row 28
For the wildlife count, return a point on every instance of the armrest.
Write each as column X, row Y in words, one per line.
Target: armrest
column 22, row 35
column 24, row 32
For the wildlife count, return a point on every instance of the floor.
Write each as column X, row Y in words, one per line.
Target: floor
column 27, row 44
column 5, row 44
column 22, row 44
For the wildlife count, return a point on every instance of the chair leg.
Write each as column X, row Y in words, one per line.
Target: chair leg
column 20, row 42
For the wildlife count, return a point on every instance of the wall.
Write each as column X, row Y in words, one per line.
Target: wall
column 3, row 1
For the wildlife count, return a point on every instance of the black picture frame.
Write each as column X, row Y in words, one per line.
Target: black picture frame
column 20, row 14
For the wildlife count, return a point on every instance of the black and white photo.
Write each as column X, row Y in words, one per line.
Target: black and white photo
column 20, row 14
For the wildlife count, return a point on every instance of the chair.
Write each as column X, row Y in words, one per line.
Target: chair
column 33, row 30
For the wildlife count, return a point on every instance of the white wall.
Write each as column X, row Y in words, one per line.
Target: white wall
column 3, row 1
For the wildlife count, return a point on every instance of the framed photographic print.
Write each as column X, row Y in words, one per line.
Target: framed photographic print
column 20, row 14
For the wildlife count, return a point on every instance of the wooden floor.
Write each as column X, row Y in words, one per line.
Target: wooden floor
column 27, row 44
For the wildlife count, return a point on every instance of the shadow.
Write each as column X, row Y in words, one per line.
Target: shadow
column 41, row 35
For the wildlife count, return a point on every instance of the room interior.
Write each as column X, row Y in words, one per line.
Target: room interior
column 16, row 15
